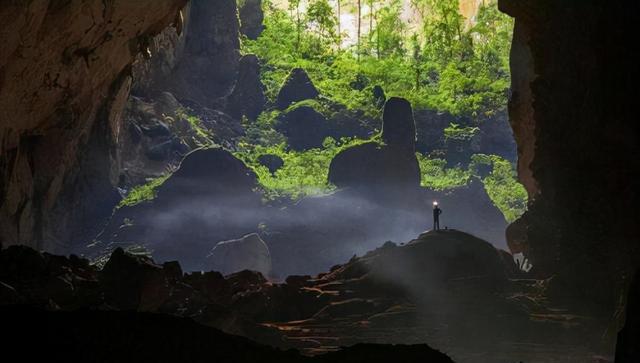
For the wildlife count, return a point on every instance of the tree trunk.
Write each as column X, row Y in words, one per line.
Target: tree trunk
column 339, row 27
column 359, row 23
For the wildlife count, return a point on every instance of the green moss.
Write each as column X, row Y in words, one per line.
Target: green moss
column 456, row 132
column 198, row 136
column 304, row 172
column 502, row 185
column 142, row 193
column 436, row 176
column 314, row 104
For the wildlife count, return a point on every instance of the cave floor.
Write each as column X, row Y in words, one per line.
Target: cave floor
column 518, row 326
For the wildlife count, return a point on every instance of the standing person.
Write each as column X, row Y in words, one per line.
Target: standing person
column 436, row 216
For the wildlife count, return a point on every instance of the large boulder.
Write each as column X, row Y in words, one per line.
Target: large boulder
column 374, row 166
column 271, row 162
column 379, row 97
column 304, row 127
column 247, row 98
column 209, row 64
column 247, row 253
column 208, row 173
column 392, row 166
column 133, row 282
column 433, row 258
column 296, row 87
column 209, row 197
column 398, row 125
column 251, row 17
column 469, row 208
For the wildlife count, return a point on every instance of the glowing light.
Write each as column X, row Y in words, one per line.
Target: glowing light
column 435, row 202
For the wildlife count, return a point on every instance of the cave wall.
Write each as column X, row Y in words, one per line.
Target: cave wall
column 574, row 75
column 198, row 60
column 64, row 78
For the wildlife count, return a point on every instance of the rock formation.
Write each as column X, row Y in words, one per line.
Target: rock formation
column 379, row 97
column 251, row 17
column 209, row 198
column 247, row 97
column 373, row 166
column 296, row 87
column 272, row 162
column 246, row 253
column 209, row 64
column 392, row 166
column 208, row 172
column 65, row 79
column 395, row 293
column 304, row 127
column 398, row 125
column 572, row 69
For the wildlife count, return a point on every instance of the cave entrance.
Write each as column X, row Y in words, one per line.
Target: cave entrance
column 349, row 121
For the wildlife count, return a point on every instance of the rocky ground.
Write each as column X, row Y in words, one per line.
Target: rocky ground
column 448, row 289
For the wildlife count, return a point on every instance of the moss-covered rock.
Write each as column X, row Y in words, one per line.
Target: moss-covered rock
column 296, row 87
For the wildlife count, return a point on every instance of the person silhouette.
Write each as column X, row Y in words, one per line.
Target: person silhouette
column 436, row 216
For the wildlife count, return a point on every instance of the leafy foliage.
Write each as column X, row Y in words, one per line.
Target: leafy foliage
column 506, row 193
column 501, row 185
column 304, row 172
column 435, row 175
column 456, row 132
column 443, row 64
column 143, row 193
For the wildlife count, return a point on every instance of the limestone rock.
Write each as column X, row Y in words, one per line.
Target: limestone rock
column 272, row 162
column 210, row 196
column 247, row 253
column 304, row 127
column 207, row 170
column 247, row 98
column 398, row 125
column 379, row 97
column 65, row 78
column 251, row 17
column 372, row 166
column 209, row 63
column 296, row 87
column 134, row 281
column 391, row 167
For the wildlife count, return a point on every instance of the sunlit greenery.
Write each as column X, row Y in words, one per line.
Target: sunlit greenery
column 304, row 173
column 144, row 192
column 456, row 132
column 440, row 63
column 501, row 185
column 499, row 180
column 435, row 175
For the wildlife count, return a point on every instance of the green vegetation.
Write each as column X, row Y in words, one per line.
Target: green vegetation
column 439, row 61
column 459, row 133
column 501, row 185
column 142, row 193
column 436, row 176
column 304, row 173
column 197, row 135
column 500, row 181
